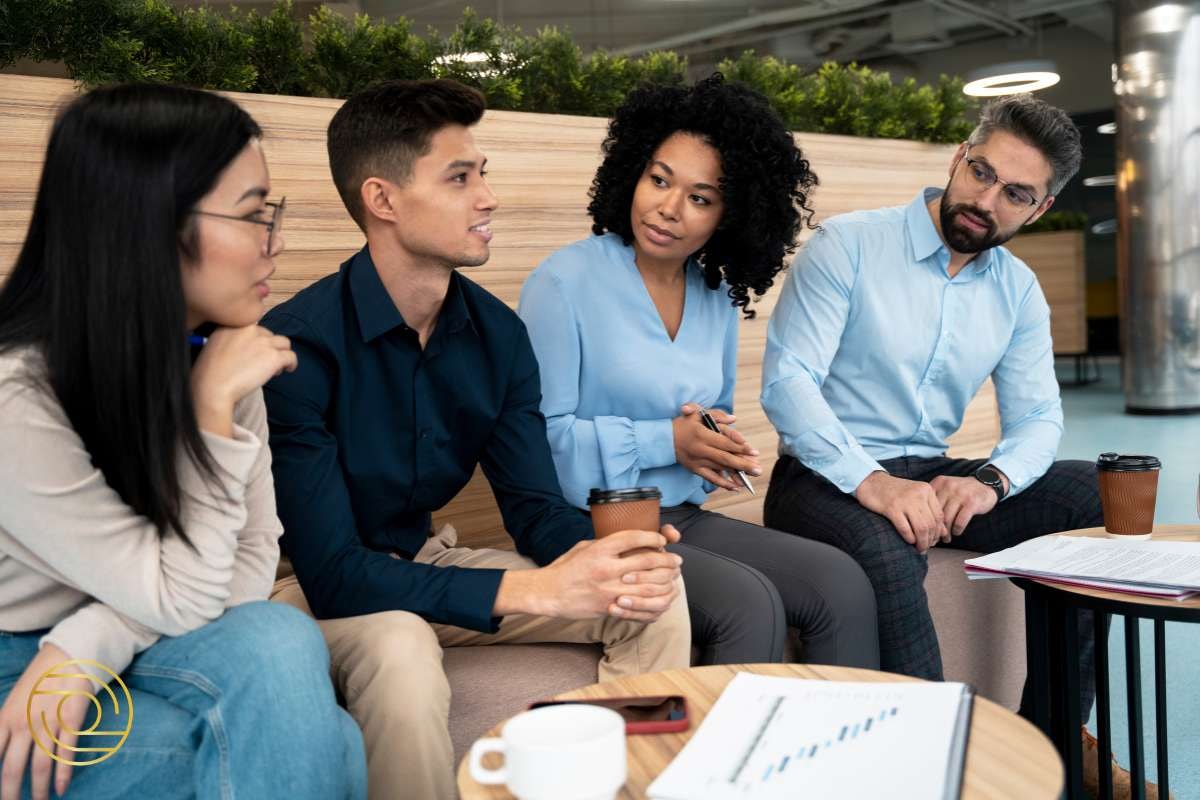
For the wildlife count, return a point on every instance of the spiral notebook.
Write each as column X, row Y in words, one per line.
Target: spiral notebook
column 770, row 737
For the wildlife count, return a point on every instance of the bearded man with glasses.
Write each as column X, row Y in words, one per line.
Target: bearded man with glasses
column 888, row 324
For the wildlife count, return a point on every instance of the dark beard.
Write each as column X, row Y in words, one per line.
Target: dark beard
column 962, row 240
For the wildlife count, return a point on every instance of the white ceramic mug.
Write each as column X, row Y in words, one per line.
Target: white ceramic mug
column 567, row 752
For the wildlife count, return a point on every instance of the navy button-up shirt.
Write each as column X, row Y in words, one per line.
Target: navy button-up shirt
column 372, row 433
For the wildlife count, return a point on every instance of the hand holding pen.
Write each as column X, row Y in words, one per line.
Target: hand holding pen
column 715, row 455
column 233, row 363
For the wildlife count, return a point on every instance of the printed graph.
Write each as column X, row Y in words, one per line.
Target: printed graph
column 762, row 762
column 776, row 738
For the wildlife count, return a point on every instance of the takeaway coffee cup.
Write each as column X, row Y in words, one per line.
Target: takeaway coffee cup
column 567, row 752
column 624, row 509
column 1128, row 489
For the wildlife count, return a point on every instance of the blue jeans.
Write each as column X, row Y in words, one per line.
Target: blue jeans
column 239, row 709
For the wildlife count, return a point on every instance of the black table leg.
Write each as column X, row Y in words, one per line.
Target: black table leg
column 1068, row 685
column 1160, row 704
column 1037, row 659
column 1103, row 720
column 1133, row 688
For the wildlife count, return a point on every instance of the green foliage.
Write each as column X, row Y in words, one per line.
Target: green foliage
column 277, row 53
column 328, row 55
column 1058, row 221
column 348, row 55
column 855, row 100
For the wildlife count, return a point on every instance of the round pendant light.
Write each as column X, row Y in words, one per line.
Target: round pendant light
column 1011, row 78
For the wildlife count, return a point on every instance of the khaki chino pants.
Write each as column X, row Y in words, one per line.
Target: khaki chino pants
column 388, row 667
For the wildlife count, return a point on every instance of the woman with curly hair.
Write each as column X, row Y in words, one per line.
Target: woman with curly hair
column 699, row 199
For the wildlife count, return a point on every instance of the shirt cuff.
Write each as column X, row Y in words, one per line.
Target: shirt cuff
column 235, row 456
column 655, row 443
column 471, row 596
column 1018, row 481
column 850, row 470
column 92, row 634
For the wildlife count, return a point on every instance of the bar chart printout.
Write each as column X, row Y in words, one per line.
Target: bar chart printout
column 771, row 737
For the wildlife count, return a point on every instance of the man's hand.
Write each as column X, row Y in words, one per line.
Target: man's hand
column 961, row 500
column 712, row 455
column 911, row 506
column 595, row 578
column 64, row 721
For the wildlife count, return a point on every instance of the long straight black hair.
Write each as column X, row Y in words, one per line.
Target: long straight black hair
column 97, row 286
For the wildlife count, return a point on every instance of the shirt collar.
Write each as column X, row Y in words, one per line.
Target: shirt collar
column 377, row 314
column 925, row 238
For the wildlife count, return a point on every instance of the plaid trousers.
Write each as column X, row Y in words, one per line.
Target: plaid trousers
column 802, row 502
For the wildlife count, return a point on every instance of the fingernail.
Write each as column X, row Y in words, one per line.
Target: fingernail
column 629, row 577
column 678, row 559
column 756, row 472
column 625, row 602
column 753, row 452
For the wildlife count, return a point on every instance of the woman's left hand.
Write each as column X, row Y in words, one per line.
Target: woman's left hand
column 63, row 715
column 713, row 455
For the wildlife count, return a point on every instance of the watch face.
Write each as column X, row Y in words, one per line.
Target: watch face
column 988, row 476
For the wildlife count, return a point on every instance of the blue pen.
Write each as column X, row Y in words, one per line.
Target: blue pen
column 197, row 341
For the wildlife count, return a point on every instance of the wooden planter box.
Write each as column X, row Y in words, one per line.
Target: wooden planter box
column 1057, row 258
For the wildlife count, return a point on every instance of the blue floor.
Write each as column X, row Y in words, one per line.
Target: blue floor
column 1096, row 422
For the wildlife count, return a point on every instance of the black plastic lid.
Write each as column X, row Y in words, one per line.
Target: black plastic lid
column 599, row 496
column 1111, row 462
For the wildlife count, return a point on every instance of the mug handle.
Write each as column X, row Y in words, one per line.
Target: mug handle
column 482, row 774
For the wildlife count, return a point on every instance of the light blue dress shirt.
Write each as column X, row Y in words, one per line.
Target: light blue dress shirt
column 874, row 351
column 612, row 380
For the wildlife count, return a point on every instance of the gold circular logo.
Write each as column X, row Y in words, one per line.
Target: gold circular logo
column 91, row 741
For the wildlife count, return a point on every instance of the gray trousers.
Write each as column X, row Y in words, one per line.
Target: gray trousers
column 746, row 585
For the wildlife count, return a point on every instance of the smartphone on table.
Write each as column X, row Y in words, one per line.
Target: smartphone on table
column 667, row 713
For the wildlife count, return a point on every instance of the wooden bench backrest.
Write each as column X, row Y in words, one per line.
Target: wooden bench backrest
column 540, row 166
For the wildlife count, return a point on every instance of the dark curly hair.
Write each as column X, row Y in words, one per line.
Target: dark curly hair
column 765, row 189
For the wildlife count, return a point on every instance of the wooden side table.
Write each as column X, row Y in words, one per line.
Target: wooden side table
column 1006, row 756
column 1052, row 654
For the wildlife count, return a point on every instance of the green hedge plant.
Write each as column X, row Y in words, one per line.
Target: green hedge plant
column 329, row 55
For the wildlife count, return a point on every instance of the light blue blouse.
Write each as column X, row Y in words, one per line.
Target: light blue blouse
column 612, row 380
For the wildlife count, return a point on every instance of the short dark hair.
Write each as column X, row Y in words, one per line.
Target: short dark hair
column 384, row 128
column 766, row 189
column 1040, row 124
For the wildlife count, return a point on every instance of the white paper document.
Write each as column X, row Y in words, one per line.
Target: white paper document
column 770, row 737
column 1162, row 569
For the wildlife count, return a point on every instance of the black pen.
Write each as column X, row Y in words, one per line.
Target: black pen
column 711, row 424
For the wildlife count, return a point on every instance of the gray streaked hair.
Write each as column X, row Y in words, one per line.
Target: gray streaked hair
column 1038, row 123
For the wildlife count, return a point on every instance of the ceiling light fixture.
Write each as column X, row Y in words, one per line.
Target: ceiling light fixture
column 1011, row 78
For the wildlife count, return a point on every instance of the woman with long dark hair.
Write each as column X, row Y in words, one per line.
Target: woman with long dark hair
column 138, row 534
column 699, row 199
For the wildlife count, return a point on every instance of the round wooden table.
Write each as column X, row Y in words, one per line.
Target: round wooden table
column 1007, row 757
column 1052, row 656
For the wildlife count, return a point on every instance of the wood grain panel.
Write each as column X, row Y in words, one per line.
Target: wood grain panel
column 540, row 166
column 1057, row 258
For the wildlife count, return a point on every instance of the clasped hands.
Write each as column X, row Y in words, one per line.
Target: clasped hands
column 597, row 578
column 926, row 513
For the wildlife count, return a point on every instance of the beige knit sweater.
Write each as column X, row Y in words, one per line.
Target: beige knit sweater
column 76, row 559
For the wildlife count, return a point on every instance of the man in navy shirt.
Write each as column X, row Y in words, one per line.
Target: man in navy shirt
column 409, row 376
